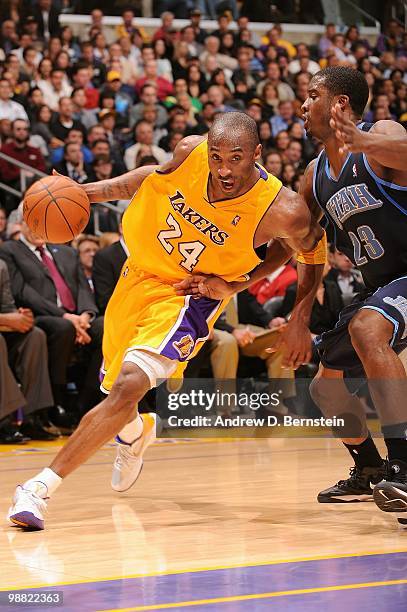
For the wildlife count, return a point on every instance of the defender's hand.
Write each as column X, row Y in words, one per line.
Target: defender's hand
column 295, row 341
column 202, row 285
column 347, row 133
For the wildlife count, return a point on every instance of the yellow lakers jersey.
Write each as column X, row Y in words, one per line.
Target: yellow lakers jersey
column 172, row 229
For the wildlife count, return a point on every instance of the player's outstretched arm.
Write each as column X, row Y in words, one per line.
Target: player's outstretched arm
column 385, row 143
column 124, row 187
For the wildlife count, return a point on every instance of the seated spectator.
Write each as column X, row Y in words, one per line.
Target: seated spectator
column 127, row 28
column 143, row 137
column 302, row 62
column 3, row 224
column 55, row 89
column 116, row 62
column 217, row 98
column 249, row 324
column 18, row 148
column 23, row 357
column 180, row 59
column 167, row 25
column 122, row 99
column 294, row 155
column 196, row 81
column 270, row 291
column 97, row 69
column 164, row 68
column 82, row 77
column 64, row 121
column 74, row 136
column 273, row 163
column 42, row 127
column 284, row 118
column 282, row 141
column 212, row 46
column 87, row 246
column 73, row 165
column 148, row 96
column 8, row 108
column 35, row 101
column 164, row 88
column 49, row 280
column 288, row 175
column 46, row 15
column 86, row 117
column 8, row 36
column 244, row 72
column 107, row 265
column 326, row 40
column 273, row 76
column 188, row 36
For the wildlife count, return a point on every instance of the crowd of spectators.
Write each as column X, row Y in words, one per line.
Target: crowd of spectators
column 93, row 108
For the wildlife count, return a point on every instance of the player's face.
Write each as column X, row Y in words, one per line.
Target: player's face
column 231, row 165
column 317, row 109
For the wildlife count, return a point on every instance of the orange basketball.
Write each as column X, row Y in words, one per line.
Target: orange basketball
column 56, row 209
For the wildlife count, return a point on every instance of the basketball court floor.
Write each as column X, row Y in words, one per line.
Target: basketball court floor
column 211, row 525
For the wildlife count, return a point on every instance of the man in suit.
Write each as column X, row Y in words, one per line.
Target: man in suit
column 73, row 165
column 107, row 265
column 46, row 16
column 23, row 357
column 49, row 280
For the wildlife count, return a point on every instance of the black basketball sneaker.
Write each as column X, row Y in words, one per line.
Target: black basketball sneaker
column 357, row 488
column 390, row 494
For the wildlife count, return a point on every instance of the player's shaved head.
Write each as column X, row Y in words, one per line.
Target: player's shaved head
column 234, row 128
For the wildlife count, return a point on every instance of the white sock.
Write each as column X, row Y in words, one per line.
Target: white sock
column 44, row 484
column 132, row 431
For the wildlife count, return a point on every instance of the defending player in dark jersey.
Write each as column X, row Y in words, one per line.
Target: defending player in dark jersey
column 359, row 182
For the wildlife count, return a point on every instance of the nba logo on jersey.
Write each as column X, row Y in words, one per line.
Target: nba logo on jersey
column 125, row 271
column 236, row 220
column 184, row 346
column 354, row 171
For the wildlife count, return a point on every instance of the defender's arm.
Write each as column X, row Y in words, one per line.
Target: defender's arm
column 384, row 145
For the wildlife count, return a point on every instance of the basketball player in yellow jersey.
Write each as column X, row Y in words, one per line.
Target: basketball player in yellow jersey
column 205, row 211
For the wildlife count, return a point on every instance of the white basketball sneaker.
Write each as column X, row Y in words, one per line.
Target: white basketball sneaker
column 129, row 457
column 27, row 510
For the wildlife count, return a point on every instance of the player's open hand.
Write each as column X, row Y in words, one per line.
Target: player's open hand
column 295, row 342
column 202, row 285
column 350, row 137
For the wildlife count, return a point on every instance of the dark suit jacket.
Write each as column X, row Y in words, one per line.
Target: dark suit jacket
column 53, row 21
column 107, row 266
column 249, row 312
column 32, row 285
column 62, row 169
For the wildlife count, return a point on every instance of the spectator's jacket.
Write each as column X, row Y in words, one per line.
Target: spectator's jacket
column 29, row 155
column 107, row 266
column 6, row 299
column 32, row 285
column 249, row 312
column 266, row 289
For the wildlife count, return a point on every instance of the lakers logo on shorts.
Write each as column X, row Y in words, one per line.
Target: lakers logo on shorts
column 184, row 346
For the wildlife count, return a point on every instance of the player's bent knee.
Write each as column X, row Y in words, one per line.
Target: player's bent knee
column 369, row 329
column 320, row 392
column 130, row 386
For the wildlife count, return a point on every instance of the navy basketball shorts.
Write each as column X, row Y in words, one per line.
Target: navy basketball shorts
column 335, row 347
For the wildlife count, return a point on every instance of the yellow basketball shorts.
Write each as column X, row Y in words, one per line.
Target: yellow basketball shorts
column 145, row 314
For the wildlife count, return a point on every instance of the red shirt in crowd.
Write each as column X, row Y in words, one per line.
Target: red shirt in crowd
column 29, row 155
column 265, row 290
column 164, row 87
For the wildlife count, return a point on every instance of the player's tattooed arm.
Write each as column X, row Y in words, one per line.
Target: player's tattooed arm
column 124, row 187
column 118, row 188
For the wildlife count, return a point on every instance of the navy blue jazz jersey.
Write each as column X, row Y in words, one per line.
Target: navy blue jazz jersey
column 369, row 216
